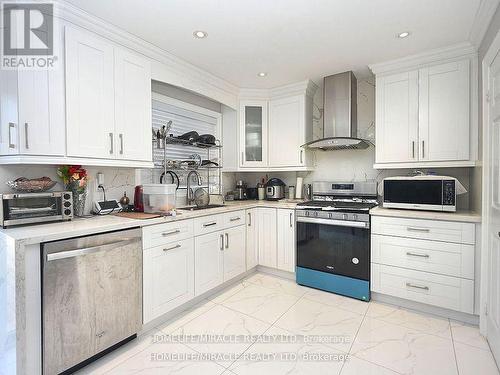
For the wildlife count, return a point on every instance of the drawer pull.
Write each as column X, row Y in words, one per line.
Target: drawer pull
column 417, row 255
column 235, row 219
column 209, row 224
column 172, row 248
column 422, row 230
column 410, row 285
column 165, row 234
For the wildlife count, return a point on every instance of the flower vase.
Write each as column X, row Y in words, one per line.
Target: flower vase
column 79, row 197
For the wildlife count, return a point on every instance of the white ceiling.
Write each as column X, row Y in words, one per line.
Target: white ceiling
column 291, row 40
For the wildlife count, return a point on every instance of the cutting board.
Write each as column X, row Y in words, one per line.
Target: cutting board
column 137, row 215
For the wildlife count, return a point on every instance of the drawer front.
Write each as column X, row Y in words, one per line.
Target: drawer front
column 444, row 258
column 160, row 234
column 447, row 231
column 208, row 224
column 443, row 291
column 233, row 219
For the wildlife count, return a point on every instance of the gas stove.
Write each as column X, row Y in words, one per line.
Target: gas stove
column 352, row 197
column 333, row 238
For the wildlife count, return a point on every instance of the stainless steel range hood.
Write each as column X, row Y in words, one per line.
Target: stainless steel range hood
column 340, row 115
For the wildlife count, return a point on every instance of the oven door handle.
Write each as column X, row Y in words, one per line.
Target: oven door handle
column 340, row 223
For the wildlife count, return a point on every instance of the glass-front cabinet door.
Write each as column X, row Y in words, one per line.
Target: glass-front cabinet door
column 253, row 126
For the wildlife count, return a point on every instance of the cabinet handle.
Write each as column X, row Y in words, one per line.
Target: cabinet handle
column 165, row 234
column 235, row 219
column 221, row 242
column 11, row 126
column 111, row 142
column 413, row 149
column 423, row 149
column 417, row 255
column 171, row 248
column 250, row 219
column 413, row 229
column 100, row 334
column 242, row 156
column 291, row 217
column 410, row 285
column 301, row 161
column 121, row 143
column 26, row 135
column 209, row 224
column 227, row 240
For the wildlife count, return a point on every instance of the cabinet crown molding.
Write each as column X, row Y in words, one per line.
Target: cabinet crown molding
column 306, row 87
column 435, row 56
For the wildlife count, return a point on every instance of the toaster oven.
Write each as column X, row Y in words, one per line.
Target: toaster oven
column 32, row 208
column 421, row 193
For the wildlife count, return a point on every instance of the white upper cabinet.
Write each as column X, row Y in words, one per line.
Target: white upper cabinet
column 9, row 143
column 108, row 100
column 274, row 124
column 427, row 116
column 253, row 142
column 89, row 95
column 397, row 118
column 287, row 129
column 41, row 112
column 444, row 100
column 132, row 106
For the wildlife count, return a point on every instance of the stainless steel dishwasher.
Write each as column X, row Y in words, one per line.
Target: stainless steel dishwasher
column 91, row 297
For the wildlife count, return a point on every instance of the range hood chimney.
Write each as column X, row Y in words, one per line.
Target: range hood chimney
column 340, row 115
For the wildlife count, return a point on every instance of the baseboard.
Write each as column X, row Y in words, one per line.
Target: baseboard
column 276, row 272
column 196, row 300
column 428, row 309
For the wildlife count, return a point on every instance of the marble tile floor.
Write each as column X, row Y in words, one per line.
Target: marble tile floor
column 269, row 325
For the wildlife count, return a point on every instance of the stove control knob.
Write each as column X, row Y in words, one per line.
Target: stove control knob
column 307, row 213
column 355, row 216
column 316, row 214
column 345, row 216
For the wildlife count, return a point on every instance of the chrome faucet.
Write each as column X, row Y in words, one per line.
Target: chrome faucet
column 190, row 194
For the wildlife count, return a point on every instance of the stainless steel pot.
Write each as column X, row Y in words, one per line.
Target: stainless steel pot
column 275, row 189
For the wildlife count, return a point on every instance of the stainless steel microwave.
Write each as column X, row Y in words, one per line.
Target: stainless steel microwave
column 420, row 193
column 32, row 208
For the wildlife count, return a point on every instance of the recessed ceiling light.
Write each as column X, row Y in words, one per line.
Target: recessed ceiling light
column 403, row 35
column 200, row 34
column 262, row 74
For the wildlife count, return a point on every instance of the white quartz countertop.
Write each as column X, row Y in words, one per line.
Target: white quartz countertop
column 462, row 216
column 97, row 224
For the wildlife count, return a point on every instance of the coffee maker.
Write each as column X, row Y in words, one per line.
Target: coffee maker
column 240, row 193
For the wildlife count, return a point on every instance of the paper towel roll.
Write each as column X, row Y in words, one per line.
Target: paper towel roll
column 299, row 187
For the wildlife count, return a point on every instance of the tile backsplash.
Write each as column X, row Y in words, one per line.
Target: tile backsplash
column 116, row 180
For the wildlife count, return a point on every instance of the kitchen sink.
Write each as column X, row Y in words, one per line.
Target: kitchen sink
column 200, row 208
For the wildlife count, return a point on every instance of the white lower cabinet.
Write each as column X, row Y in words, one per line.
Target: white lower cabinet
column 221, row 255
column 168, row 277
column 286, row 240
column 425, row 261
column 234, row 252
column 208, row 261
column 252, row 254
column 271, row 238
column 266, row 229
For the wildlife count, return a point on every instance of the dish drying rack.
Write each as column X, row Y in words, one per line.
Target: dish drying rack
column 177, row 155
